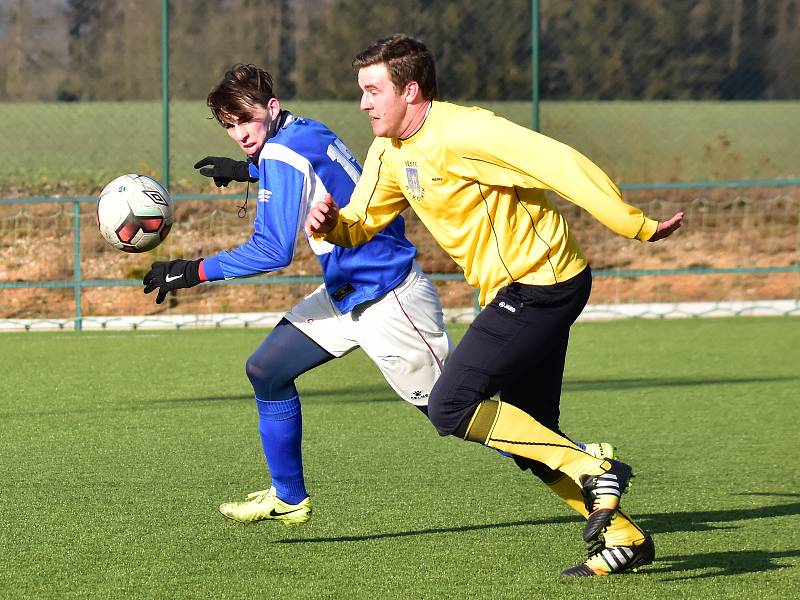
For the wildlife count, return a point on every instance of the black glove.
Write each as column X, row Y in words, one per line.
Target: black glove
column 171, row 275
column 223, row 170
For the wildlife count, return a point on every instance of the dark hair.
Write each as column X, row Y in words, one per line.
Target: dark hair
column 405, row 58
column 241, row 89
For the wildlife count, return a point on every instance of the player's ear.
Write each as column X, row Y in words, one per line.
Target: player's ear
column 412, row 92
column 273, row 108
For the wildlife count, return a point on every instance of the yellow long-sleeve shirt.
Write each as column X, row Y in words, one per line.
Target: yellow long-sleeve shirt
column 477, row 182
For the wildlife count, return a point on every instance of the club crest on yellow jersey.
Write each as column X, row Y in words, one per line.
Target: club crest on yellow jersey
column 412, row 182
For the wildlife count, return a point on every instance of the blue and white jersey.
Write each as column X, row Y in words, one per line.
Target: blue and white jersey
column 301, row 163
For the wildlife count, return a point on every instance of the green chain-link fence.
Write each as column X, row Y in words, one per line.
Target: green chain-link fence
column 691, row 104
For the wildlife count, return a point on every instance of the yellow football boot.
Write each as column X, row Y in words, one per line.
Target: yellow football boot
column 266, row 506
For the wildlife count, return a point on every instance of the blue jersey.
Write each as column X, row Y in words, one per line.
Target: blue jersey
column 302, row 162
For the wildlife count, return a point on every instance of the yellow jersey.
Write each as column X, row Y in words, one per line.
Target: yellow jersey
column 477, row 182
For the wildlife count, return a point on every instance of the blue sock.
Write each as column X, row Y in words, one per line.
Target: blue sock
column 280, row 424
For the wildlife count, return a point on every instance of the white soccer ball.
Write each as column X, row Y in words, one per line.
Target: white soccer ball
column 134, row 213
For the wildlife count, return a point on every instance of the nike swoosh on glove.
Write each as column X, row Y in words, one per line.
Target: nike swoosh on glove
column 171, row 275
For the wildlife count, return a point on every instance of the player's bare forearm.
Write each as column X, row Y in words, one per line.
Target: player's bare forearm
column 668, row 227
column 322, row 217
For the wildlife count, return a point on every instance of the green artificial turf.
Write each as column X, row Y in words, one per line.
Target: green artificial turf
column 116, row 449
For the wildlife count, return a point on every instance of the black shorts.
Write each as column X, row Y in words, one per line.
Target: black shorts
column 515, row 348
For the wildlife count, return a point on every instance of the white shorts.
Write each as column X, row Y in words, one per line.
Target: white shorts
column 402, row 332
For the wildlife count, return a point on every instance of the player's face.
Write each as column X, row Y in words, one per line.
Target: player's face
column 387, row 107
column 251, row 133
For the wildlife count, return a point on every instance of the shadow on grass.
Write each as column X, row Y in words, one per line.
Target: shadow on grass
column 432, row 531
column 377, row 394
column 345, row 395
column 381, row 393
column 705, row 520
column 718, row 563
column 599, row 385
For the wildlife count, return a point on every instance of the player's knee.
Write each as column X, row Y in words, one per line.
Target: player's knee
column 437, row 416
column 255, row 372
column 446, row 415
column 454, row 399
column 268, row 380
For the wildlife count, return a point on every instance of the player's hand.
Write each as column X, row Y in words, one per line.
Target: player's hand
column 667, row 228
column 171, row 275
column 322, row 217
column 223, row 170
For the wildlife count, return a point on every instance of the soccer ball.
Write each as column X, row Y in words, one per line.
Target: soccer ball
column 134, row 213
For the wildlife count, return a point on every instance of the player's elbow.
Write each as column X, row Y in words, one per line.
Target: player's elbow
column 271, row 256
column 280, row 261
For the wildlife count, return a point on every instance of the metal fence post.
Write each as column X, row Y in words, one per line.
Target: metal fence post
column 165, row 168
column 76, row 262
column 535, row 62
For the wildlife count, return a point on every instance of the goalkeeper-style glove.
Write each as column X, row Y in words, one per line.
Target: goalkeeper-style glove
column 223, row 170
column 171, row 275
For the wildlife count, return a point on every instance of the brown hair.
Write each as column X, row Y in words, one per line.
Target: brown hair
column 241, row 89
column 405, row 58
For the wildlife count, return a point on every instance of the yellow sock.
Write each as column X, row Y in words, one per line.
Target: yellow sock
column 569, row 492
column 507, row 428
column 622, row 531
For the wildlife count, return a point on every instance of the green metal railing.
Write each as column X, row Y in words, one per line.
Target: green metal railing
column 77, row 283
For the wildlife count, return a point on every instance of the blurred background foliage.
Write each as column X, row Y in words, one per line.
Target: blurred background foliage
column 70, row 50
